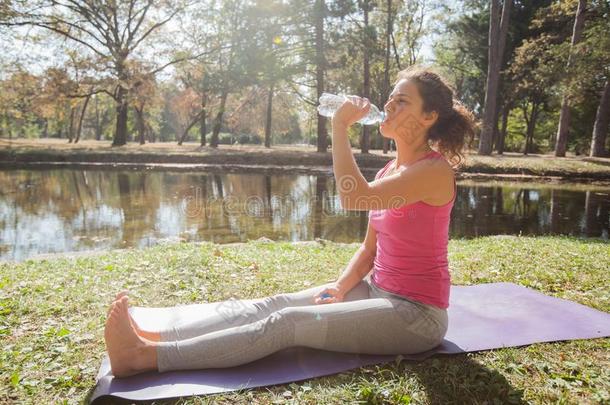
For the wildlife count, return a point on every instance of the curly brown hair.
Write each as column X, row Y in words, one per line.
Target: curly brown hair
column 455, row 123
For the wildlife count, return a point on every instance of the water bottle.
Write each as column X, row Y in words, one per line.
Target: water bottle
column 329, row 103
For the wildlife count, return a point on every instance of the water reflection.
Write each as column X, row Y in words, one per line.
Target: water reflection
column 68, row 210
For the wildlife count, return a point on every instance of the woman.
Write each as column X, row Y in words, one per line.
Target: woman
column 401, row 309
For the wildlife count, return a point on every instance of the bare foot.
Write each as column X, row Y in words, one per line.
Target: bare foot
column 125, row 347
column 152, row 336
column 117, row 298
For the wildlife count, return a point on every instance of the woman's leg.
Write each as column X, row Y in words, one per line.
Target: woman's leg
column 237, row 313
column 378, row 325
column 130, row 352
column 232, row 312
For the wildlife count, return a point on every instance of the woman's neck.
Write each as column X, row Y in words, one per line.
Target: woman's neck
column 407, row 154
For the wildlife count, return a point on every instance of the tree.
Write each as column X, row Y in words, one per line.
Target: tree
column 21, row 102
column 564, row 116
column 404, row 43
column 367, row 42
column 589, row 59
column 592, row 62
column 111, row 32
column 223, row 43
column 602, row 119
column 311, row 31
column 497, row 39
column 270, row 58
column 389, row 36
column 318, row 17
column 533, row 71
column 143, row 97
column 461, row 52
column 187, row 107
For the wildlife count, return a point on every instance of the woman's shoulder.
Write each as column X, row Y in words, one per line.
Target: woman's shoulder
column 436, row 174
column 435, row 162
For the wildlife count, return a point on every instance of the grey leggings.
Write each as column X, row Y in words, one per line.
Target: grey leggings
column 368, row 321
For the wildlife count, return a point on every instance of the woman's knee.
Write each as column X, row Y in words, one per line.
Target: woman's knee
column 300, row 298
column 294, row 315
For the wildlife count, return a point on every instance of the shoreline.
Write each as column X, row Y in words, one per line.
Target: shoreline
column 55, row 153
column 601, row 181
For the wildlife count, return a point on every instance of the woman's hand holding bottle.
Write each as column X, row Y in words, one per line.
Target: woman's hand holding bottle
column 329, row 295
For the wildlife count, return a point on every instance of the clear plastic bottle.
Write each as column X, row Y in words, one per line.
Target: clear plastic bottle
column 329, row 103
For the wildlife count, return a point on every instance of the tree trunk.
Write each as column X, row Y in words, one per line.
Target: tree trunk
column 71, row 129
column 602, row 118
column 268, row 118
column 320, row 10
column 531, row 126
column 386, row 65
column 141, row 124
column 564, row 114
column 80, row 121
column 218, row 121
column 150, row 134
column 396, row 56
column 98, row 126
column 502, row 134
column 497, row 38
column 188, row 128
column 202, row 121
column 495, row 133
column 120, row 132
column 366, row 86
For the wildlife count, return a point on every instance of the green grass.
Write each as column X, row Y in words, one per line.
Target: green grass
column 52, row 315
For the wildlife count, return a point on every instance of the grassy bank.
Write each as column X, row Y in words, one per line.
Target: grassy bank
column 52, row 315
column 27, row 152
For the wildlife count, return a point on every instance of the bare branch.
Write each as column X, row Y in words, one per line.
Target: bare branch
column 115, row 28
column 128, row 23
column 151, row 29
column 302, row 97
column 54, row 29
column 186, row 58
column 92, row 15
column 88, row 94
column 301, row 84
column 143, row 11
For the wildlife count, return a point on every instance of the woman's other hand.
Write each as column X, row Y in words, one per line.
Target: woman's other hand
column 329, row 295
column 353, row 109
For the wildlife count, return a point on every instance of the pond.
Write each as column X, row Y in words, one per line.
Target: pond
column 61, row 210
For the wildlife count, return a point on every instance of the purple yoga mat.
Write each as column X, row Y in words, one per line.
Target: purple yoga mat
column 481, row 317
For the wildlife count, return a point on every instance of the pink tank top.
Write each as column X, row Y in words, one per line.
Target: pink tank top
column 411, row 258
